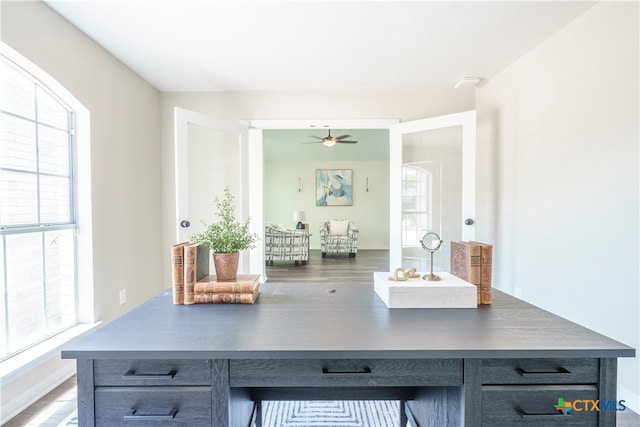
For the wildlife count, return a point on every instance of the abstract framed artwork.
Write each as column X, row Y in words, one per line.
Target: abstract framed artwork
column 334, row 187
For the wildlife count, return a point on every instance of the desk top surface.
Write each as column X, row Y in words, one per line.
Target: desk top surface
column 339, row 321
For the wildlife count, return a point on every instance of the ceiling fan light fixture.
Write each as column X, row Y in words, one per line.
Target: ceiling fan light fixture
column 329, row 142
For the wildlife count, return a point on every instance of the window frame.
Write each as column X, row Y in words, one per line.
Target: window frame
column 40, row 228
column 427, row 212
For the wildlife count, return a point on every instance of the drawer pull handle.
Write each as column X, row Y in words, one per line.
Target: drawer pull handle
column 540, row 415
column 326, row 371
column 524, row 373
column 132, row 415
column 131, row 375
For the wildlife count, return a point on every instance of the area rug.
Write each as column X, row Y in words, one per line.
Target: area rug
column 317, row 413
column 334, row 413
column 70, row 421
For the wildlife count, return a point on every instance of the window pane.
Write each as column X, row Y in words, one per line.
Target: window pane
column 421, row 223
column 38, row 294
column 54, row 199
column 410, row 189
column 50, row 110
column 416, row 200
column 17, row 143
column 53, row 151
column 18, row 198
column 24, row 289
column 421, row 189
column 410, row 174
column 408, row 204
column 59, row 279
column 17, row 92
column 410, row 220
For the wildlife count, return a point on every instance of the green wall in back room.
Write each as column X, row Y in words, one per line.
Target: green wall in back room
column 290, row 169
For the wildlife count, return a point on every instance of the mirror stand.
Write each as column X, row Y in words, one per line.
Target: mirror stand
column 431, row 277
column 431, row 242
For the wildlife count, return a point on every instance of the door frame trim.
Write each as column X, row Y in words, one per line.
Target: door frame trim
column 466, row 119
column 256, row 164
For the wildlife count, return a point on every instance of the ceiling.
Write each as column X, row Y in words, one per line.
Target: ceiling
column 240, row 45
column 297, row 145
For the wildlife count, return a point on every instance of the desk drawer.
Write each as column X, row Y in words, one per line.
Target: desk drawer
column 338, row 372
column 533, row 406
column 540, row 371
column 153, row 406
column 152, row 372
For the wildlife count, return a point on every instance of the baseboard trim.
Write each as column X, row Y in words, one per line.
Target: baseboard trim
column 631, row 400
column 14, row 406
column 41, row 368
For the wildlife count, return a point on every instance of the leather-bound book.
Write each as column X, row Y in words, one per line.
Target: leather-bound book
column 196, row 266
column 465, row 263
column 244, row 284
column 177, row 272
column 226, row 298
column 486, row 271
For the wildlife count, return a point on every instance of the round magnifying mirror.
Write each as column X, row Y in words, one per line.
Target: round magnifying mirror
column 431, row 242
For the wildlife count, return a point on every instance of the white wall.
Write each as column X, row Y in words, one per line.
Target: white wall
column 125, row 158
column 558, row 177
column 370, row 210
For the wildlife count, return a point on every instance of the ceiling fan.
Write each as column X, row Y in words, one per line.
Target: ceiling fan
column 330, row 141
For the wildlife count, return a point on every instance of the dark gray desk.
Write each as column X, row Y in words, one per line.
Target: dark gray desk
column 504, row 364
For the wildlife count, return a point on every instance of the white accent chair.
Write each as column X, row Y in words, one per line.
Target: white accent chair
column 282, row 244
column 339, row 236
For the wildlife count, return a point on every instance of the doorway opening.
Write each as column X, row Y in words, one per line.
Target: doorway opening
column 249, row 139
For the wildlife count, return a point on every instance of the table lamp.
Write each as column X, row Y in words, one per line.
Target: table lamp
column 299, row 217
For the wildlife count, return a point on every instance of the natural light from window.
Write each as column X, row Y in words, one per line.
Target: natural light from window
column 417, row 212
column 37, row 212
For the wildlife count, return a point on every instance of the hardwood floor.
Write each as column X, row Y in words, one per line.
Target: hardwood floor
column 332, row 268
column 51, row 410
column 57, row 405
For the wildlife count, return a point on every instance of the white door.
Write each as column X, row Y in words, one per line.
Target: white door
column 210, row 155
column 432, row 165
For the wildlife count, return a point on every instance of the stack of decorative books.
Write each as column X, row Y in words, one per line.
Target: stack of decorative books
column 244, row 290
column 192, row 283
column 189, row 263
column 473, row 262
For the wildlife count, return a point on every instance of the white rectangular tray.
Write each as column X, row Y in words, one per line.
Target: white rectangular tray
column 449, row 292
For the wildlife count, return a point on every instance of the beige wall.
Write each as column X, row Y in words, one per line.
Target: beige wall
column 125, row 160
column 125, row 155
column 558, row 177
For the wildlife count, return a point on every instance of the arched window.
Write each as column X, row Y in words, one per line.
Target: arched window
column 38, row 221
column 417, row 199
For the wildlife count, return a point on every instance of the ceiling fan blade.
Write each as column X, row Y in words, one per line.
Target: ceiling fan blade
column 312, row 142
column 347, row 142
column 342, row 136
column 316, row 137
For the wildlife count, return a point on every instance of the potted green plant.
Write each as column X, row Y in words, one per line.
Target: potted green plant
column 226, row 238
